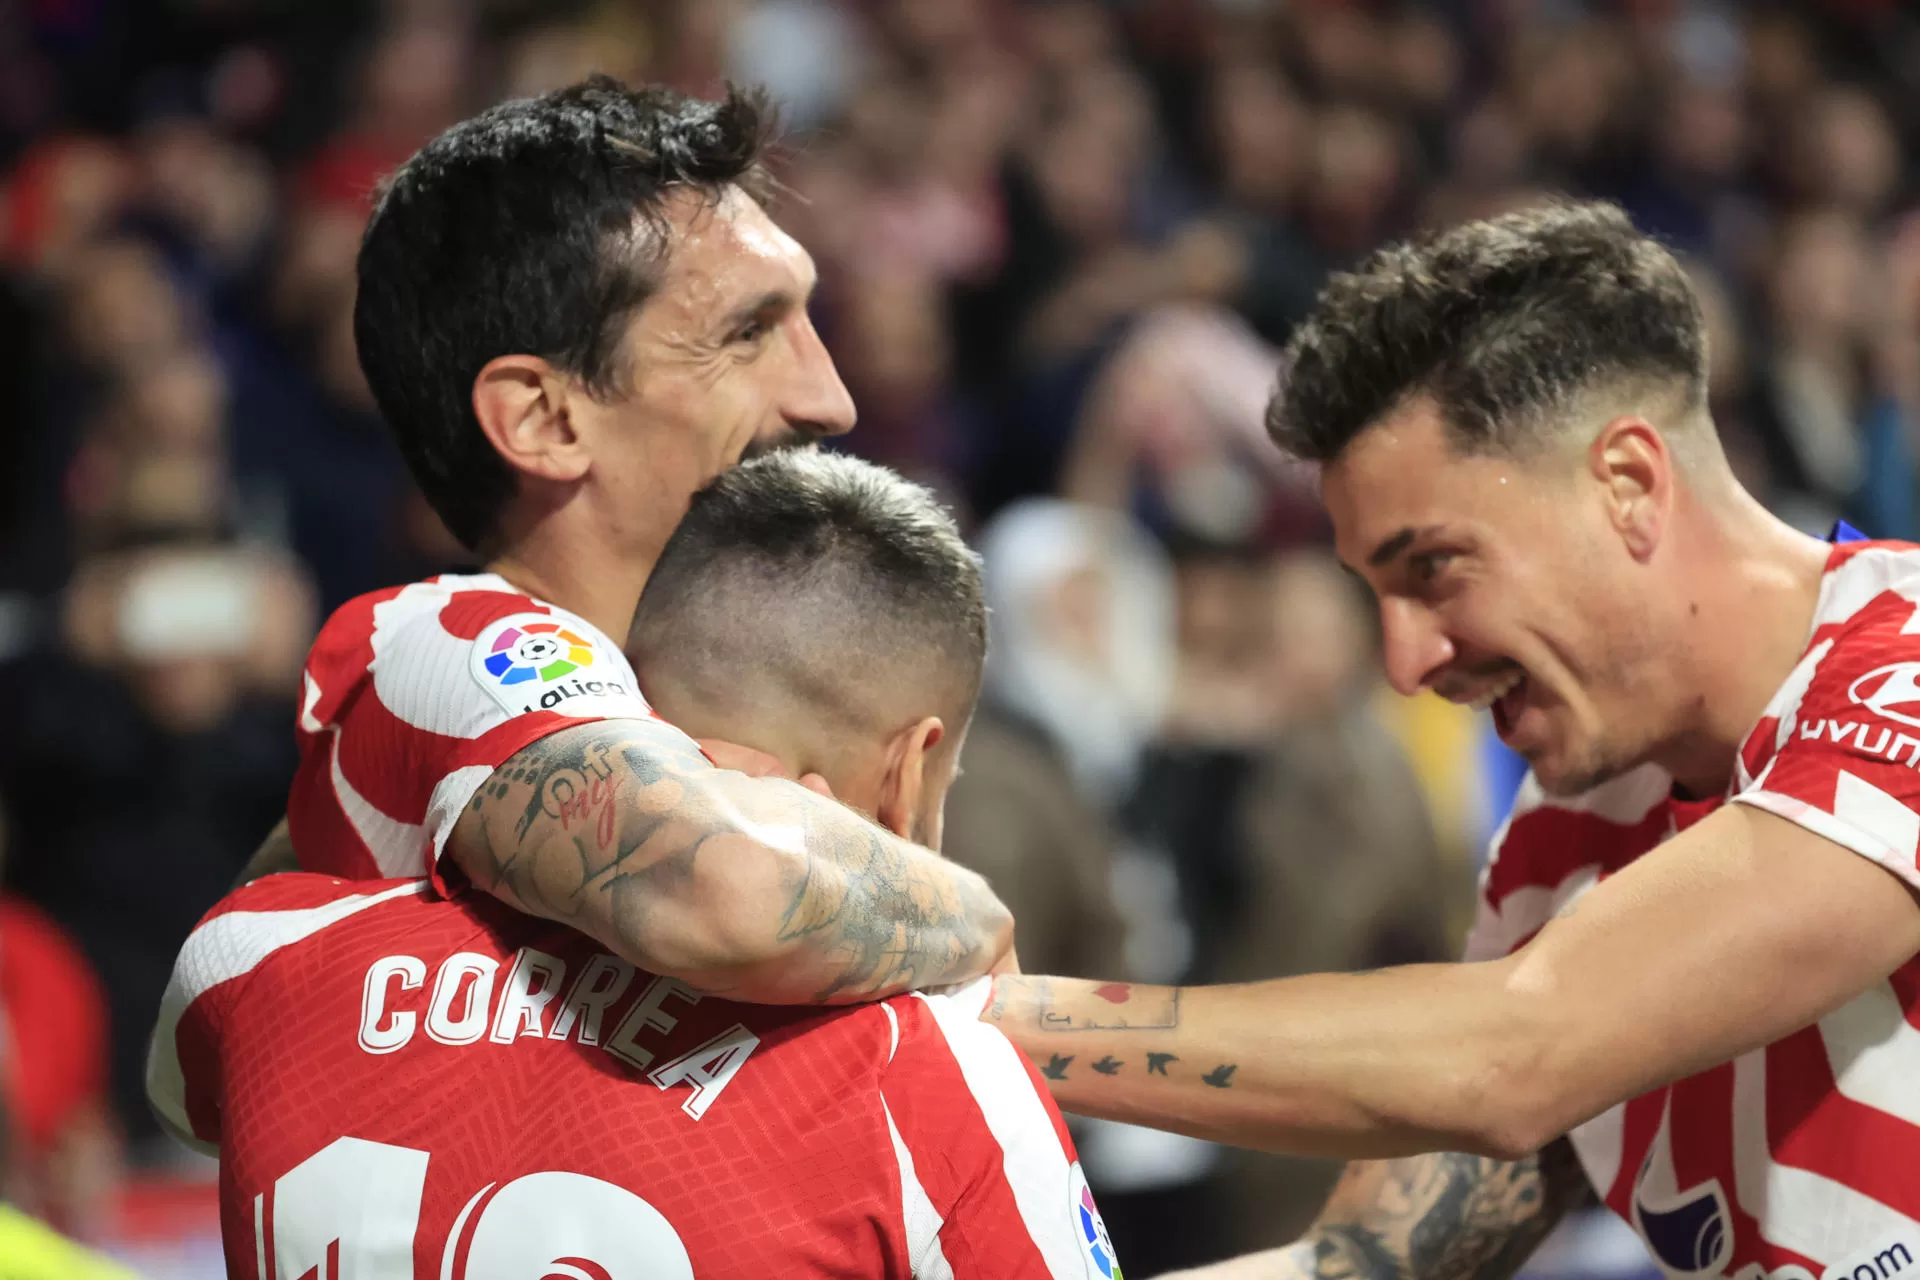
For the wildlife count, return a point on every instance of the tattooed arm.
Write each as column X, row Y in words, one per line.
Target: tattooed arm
column 1738, row 931
column 1434, row 1217
column 755, row 888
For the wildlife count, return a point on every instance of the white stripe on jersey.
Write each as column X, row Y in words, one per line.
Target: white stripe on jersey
column 1864, row 576
column 224, row 948
column 1797, row 1209
column 419, row 669
column 1035, row 1162
column 1875, row 1052
column 395, row 845
column 925, row 1257
column 451, row 796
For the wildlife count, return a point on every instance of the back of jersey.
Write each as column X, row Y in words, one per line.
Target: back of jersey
column 402, row 1086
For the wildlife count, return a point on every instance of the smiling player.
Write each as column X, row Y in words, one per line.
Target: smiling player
column 1721, row 718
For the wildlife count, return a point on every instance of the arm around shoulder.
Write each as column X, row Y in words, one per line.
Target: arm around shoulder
column 755, row 888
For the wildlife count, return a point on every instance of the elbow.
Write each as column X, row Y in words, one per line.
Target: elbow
column 1519, row 1093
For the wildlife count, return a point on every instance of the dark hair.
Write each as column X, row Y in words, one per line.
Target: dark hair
column 815, row 570
column 1502, row 322
column 514, row 232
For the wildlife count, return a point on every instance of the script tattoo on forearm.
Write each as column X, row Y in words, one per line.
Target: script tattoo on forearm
column 1444, row 1216
column 625, row 809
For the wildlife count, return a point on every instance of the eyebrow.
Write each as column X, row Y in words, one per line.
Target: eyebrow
column 1394, row 545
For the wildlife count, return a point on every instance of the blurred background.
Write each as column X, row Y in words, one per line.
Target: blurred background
column 1059, row 242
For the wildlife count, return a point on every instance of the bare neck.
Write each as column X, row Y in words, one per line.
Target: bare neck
column 1750, row 587
column 567, row 561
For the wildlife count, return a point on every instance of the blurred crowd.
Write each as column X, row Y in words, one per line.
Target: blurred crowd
column 1059, row 242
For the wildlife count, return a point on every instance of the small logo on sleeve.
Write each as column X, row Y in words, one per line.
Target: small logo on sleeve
column 1101, row 1262
column 533, row 662
column 1892, row 691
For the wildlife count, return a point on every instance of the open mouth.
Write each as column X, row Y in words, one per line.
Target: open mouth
column 1504, row 697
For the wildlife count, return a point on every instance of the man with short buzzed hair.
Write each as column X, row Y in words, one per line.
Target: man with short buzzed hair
column 789, row 580
column 399, row 1085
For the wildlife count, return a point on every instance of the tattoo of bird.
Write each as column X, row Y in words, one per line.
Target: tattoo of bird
column 1221, row 1077
column 1057, row 1068
column 1157, row 1063
column 1109, row 1066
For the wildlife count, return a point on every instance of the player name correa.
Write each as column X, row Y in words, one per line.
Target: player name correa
column 470, row 1001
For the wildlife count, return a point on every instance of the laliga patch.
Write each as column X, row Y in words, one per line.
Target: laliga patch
column 536, row 662
column 1092, row 1232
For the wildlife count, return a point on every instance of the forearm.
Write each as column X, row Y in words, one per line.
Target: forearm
column 842, row 910
column 752, row 887
column 1420, row 1058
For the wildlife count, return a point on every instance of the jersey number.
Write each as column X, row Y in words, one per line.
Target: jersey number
column 350, row 1212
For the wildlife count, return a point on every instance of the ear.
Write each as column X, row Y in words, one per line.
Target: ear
column 522, row 403
column 905, row 782
column 1632, row 461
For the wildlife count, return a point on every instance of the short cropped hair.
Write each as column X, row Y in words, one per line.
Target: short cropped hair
column 533, row 228
column 819, row 578
column 1505, row 323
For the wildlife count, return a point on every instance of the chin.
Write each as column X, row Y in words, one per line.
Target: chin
column 1562, row 777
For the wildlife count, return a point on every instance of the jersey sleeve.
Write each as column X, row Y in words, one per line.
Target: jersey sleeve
column 1844, row 735
column 414, row 698
column 205, row 999
column 989, row 1181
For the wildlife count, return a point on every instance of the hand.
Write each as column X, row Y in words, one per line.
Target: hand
column 758, row 764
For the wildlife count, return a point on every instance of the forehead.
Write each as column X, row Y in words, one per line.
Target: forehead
column 1402, row 473
column 723, row 252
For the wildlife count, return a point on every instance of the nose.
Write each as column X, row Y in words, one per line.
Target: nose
column 816, row 400
column 1413, row 644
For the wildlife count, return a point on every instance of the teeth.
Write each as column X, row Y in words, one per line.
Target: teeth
column 1494, row 692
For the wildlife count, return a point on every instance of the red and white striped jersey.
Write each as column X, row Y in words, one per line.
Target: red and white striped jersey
column 404, row 1086
column 415, row 695
column 1801, row 1159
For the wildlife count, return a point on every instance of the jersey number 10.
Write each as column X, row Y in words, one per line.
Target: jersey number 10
column 350, row 1212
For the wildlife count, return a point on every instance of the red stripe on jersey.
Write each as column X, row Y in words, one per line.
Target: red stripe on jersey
column 467, row 614
column 327, row 842
column 342, row 652
column 1558, row 842
column 392, row 764
column 1642, row 1121
column 197, row 1045
column 1811, row 1125
column 956, row 1157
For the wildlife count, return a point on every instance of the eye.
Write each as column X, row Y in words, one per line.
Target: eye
column 1428, row 565
column 752, row 331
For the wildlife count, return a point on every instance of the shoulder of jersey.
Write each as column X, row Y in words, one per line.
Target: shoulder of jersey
column 1860, row 574
column 287, row 891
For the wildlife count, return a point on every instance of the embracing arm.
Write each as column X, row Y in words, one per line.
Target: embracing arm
column 1444, row 1216
column 1729, row 936
column 753, row 888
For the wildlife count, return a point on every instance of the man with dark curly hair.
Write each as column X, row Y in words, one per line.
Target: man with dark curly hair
column 1722, row 716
